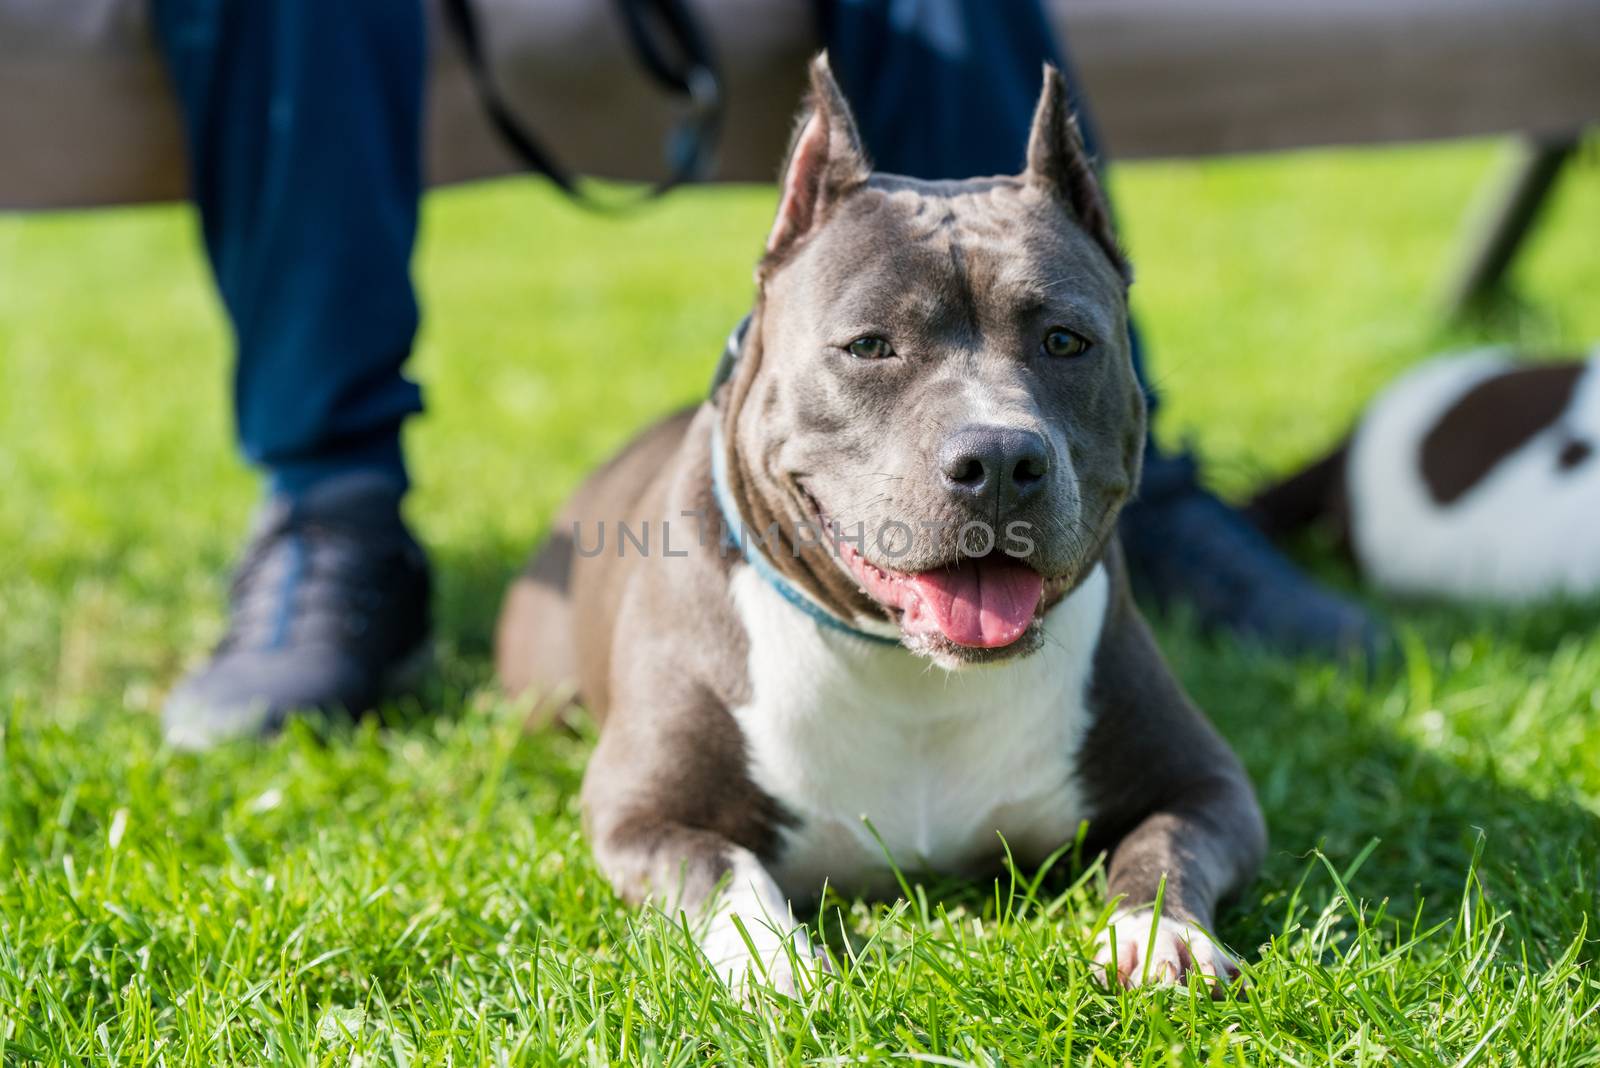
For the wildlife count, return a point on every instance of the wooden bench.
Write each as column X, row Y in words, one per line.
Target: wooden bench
column 86, row 117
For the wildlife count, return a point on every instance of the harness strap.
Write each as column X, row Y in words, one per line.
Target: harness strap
column 731, row 350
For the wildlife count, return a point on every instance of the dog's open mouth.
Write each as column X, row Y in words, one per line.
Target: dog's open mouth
column 986, row 602
column 983, row 603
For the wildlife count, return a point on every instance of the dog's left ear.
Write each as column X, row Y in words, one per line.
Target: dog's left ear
column 825, row 162
column 1059, row 163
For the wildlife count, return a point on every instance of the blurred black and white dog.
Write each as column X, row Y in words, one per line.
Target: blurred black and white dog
column 1474, row 477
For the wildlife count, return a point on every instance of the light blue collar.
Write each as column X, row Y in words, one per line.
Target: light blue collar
column 733, row 530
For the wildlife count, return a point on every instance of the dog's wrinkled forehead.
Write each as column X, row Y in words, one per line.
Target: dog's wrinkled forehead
column 955, row 258
column 931, row 354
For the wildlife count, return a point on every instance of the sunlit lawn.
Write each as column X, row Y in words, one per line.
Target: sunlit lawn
column 424, row 895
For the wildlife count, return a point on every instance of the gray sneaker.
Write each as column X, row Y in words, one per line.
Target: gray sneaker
column 328, row 611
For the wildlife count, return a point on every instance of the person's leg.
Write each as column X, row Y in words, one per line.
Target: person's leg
column 946, row 89
column 304, row 123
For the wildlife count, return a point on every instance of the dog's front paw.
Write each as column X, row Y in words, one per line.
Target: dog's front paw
column 1179, row 950
column 771, row 956
column 771, row 948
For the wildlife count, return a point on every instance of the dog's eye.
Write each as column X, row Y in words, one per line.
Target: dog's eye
column 1063, row 342
column 869, row 348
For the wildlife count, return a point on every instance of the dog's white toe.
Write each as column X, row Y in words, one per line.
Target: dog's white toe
column 1180, row 949
column 770, row 963
column 775, row 945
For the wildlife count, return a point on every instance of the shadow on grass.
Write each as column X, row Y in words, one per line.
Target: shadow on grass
column 469, row 586
column 1335, row 770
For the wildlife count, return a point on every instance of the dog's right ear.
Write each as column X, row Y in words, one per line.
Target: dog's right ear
column 825, row 162
column 1059, row 164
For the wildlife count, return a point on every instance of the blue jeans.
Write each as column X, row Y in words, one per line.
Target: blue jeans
column 304, row 125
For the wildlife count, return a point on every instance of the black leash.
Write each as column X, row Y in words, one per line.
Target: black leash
column 685, row 68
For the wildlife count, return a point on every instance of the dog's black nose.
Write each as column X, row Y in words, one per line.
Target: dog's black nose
column 991, row 465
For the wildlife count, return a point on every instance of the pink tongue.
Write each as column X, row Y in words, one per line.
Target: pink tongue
column 983, row 603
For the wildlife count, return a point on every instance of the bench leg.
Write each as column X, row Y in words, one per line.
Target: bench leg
column 1512, row 209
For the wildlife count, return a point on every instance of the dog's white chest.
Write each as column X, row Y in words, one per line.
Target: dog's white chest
column 862, row 742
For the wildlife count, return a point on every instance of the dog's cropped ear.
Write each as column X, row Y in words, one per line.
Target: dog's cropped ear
column 825, row 162
column 1059, row 163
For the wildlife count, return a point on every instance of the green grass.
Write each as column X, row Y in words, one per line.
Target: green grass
column 424, row 894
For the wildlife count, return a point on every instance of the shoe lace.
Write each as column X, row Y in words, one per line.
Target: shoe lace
column 303, row 580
